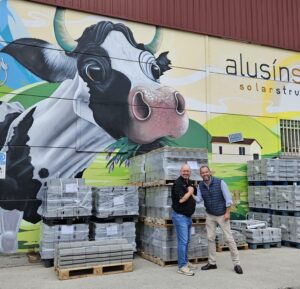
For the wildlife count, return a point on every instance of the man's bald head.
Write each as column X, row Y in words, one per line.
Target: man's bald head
column 185, row 171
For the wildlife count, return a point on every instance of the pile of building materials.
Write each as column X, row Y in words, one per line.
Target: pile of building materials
column 78, row 259
column 257, row 233
column 109, row 231
column 158, row 170
column 115, row 213
column 65, row 198
column 274, row 170
column 156, row 202
column 115, row 201
column 56, row 234
column 165, row 163
column 65, row 210
column 290, row 229
column 161, row 243
column 274, row 195
column 222, row 244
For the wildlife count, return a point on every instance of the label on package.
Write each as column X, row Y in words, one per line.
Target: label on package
column 71, row 188
column 112, row 230
column 120, row 200
column 65, row 229
column 193, row 165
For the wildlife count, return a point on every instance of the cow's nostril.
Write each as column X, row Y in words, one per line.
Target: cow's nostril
column 140, row 108
column 180, row 103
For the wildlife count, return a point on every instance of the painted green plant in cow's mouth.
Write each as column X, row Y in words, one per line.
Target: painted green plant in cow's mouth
column 123, row 149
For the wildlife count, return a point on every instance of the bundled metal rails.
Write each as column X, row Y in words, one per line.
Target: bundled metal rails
column 155, row 173
column 65, row 210
column 115, row 212
column 80, row 259
column 63, row 198
column 257, row 233
column 222, row 244
column 274, row 195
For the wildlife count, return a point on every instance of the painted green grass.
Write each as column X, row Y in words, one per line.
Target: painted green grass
column 28, row 236
column 98, row 175
column 235, row 176
column 249, row 127
column 35, row 94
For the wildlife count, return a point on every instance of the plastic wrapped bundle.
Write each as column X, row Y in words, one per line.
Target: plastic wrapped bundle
column 52, row 235
column 137, row 169
column 158, row 204
column 290, row 227
column 242, row 225
column 286, row 198
column 161, row 242
column 267, row 235
column 165, row 163
column 265, row 217
column 65, row 198
column 9, row 227
column 238, row 237
column 115, row 201
column 124, row 230
column 259, row 196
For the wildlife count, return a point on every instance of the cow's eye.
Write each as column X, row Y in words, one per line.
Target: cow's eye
column 149, row 66
column 95, row 73
column 155, row 70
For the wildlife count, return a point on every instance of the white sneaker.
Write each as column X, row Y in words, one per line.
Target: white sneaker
column 185, row 270
column 192, row 266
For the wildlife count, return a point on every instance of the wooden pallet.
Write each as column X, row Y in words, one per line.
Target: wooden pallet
column 254, row 246
column 164, row 263
column 290, row 244
column 220, row 248
column 159, row 222
column 138, row 184
column 72, row 273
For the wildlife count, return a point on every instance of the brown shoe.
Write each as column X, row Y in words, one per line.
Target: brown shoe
column 238, row 269
column 209, row 266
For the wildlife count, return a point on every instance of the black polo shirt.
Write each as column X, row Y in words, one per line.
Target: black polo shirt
column 179, row 189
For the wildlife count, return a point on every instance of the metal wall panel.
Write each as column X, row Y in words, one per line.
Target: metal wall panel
column 268, row 22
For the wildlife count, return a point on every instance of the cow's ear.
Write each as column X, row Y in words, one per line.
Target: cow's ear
column 43, row 59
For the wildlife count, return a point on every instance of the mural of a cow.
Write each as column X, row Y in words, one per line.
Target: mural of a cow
column 110, row 89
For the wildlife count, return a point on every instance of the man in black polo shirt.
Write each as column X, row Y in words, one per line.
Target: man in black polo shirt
column 183, row 205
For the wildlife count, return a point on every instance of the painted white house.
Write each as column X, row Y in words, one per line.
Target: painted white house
column 239, row 152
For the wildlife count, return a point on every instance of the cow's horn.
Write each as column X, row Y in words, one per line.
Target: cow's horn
column 63, row 37
column 154, row 45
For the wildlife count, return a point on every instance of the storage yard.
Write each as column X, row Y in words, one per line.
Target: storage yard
column 263, row 268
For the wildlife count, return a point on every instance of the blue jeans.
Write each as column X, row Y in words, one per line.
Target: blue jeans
column 183, row 226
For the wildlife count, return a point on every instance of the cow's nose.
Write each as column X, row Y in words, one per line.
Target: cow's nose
column 180, row 103
column 141, row 109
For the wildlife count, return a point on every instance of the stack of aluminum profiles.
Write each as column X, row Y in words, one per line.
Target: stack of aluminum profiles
column 239, row 238
column 92, row 253
column 115, row 201
column 107, row 231
column 265, row 217
column 157, row 203
column 65, row 198
column 165, row 163
column 285, row 198
column 274, row 170
column 161, row 242
column 56, row 234
column 266, row 235
column 290, row 227
column 137, row 169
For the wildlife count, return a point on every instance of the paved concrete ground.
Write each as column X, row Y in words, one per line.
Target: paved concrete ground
column 264, row 268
